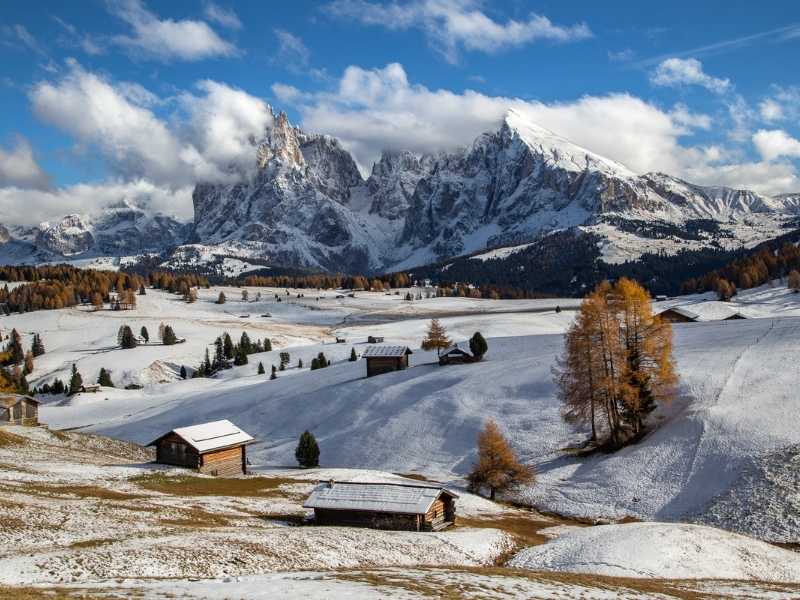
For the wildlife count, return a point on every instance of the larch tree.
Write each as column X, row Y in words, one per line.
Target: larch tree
column 221, row 298
column 497, row 467
column 436, row 338
column 617, row 363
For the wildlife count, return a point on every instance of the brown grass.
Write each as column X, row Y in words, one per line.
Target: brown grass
column 10, row 439
column 81, row 491
column 436, row 583
column 190, row 485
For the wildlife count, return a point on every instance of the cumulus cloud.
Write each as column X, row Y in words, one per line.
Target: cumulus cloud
column 451, row 25
column 167, row 39
column 677, row 72
column 18, row 167
column 776, row 143
column 762, row 177
column 203, row 142
column 770, row 110
column 48, row 205
column 222, row 16
column 376, row 109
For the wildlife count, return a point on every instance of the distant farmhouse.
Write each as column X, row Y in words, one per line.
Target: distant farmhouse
column 385, row 359
column 16, row 409
column 217, row 448
column 455, row 356
column 401, row 506
column 700, row 312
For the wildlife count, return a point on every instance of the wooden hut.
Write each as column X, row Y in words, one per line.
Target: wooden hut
column 385, row 359
column 91, row 388
column 455, row 356
column 16, row 409
column 217, row 448
column 374, row 339
column 401, row 506
column 676, row 314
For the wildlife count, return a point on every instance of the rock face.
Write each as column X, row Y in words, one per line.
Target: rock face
column 308, row 205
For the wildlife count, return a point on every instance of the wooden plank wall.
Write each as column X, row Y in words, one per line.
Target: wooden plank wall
column 224, row 463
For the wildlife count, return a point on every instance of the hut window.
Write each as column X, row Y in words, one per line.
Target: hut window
column 4, row 414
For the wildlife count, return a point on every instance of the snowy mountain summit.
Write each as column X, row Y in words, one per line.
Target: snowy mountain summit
column 306, row 204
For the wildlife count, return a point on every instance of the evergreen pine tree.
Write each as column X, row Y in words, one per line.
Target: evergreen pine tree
column 227, row 346
column 37, row 347
column 221, row 298
column 183, row 372
column 75, row 381
column 273, row 374
column 104, row 378
column 219, row 358
column 207, row 369
column 145, row 334
column 261, row 368
column 267, row 345
column 478, row 345
column 17, row 354
column 240, row 357
column 169, row 338
column 307, row 452
column 299, row 363
column 353, row 355
column 245, row 344
column 128, row 340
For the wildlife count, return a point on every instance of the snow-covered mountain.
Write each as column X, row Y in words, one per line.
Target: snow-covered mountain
column 119, row 229
column 306, row 204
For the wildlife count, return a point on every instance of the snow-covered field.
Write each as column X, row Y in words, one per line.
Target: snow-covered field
column 723, row 453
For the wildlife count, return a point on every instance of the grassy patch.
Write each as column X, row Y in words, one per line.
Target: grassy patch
column 81, row 491
column 10, row 439
column 415, row 476
column 191, row 485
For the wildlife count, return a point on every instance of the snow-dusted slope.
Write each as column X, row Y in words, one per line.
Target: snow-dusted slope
column 664, row 551
column 735, row 411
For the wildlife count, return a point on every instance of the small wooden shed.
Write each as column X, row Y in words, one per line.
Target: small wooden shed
column 385, row 359
column 455, row 356
column 216, row 448
column 374, row 339
column 16, row 409
column 676, row 314
column 400, row 506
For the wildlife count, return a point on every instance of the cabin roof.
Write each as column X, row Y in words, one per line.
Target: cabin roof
column 455, row 350
column 403, row 498
column 386, row 351
column 9, row 400
column 709, row 310
column 206, row 437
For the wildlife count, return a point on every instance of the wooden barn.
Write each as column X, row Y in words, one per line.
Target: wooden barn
column 455, row 356
column 16, row 409
column 374, row 339
column 217, row 448
column 401, row 506
column 385, row 359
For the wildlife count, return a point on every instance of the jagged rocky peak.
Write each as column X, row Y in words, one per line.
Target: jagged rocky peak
column 5, row 235
column 68, row 236
column 280, row 144
column 393, row 180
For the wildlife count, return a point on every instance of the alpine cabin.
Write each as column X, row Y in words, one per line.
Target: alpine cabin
column 399, row 506
column 218, row 448
column 385, row 359
column 455, row 356
column 16, row 409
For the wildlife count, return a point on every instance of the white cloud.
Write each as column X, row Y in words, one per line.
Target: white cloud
column 380, row 109
column 677, row 72
column 451, row 25
column 622, row 55
column 762, row 177
column 74, row 39
column 18, row 35
column 203, row 142
column 222, row 16
column 18, row 167
column 770, row 110
column 681, row 114
column 286, row 94
column 292, row 51
column 46, row 205
column 167, row 39
column 776, row 143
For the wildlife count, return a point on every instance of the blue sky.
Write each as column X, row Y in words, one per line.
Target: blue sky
column 126, row 98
